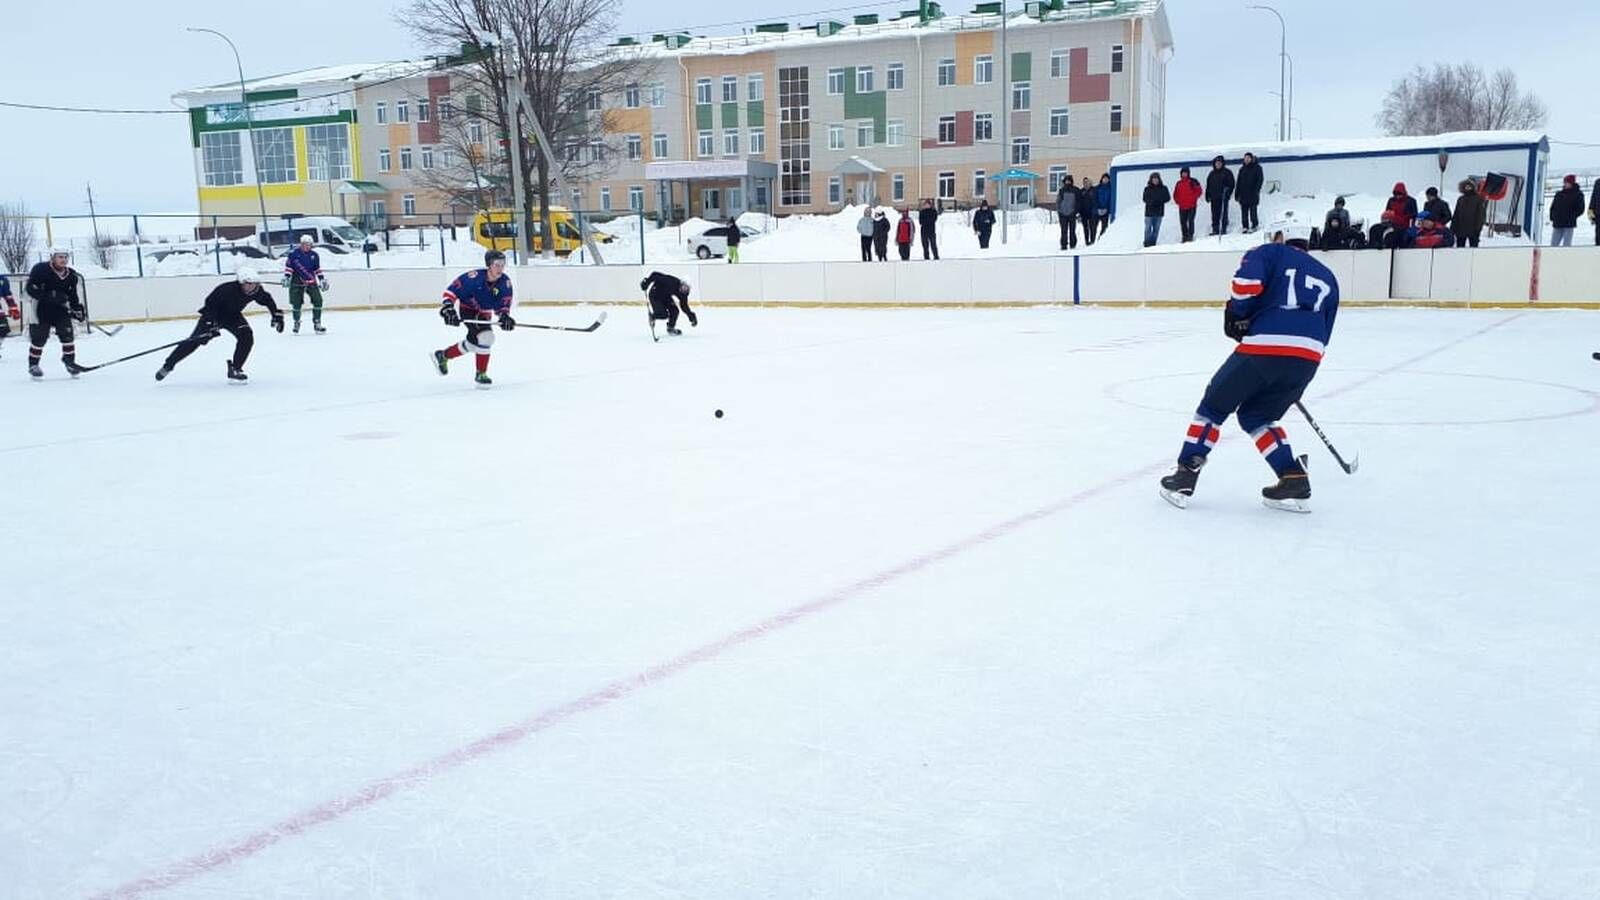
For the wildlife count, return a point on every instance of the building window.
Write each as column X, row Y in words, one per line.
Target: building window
column 1022, row 95
column 658, row 95
column 630, row 95
column 758, row 141
column 383, row 160
column 835, row 137
column 983, row 127
column 474, row 103
column 755, row 88
column 475, row 131
column 982, row 69
column 636, row 198
column 328, row 152
column 408, row 204
column 382, row 110
column 572, row 151
column 402, row 111
column 597, row 151
column 379, row 209
column 577, row 198
column 405, row 159
column 835, row 81
column 730, row 89
column 730, row 142
column 702, row 92
column 1116, row 58
column 446, row 158
column 760, row 198
column 423, row 112
column 1059, row 64
column 1058, row 121
column 658, row 146
column 447, row 109
column 427, row 157
column 947, row 72
column 864, row 133
column 275, row 155
column 794, row 135
column 1058, row 175
column 947, row 129
column 979, row 179
column 220, row 157
column 894, row 76
column 1116, row 118
column 704, row 144
column 895, row 133
column 835, row 191
column 605, row 199
column 863, row 79
column 1021, row 151
column 897, row 187
column 635, row 144
column 947, row 186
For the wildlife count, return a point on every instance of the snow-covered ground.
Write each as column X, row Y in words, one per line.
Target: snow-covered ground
column 909, row 621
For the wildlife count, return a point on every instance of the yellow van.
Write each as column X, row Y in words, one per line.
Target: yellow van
column 496, row 229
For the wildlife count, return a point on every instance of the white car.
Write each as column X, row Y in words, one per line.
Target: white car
column 714, row 241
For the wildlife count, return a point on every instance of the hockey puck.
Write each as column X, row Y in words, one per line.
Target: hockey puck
column 1597, row 354
column 718, row 413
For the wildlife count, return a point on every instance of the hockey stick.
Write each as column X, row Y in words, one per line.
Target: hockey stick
column 597, row 323
column 108, row 332
column 193, row 338
column 1348, row 467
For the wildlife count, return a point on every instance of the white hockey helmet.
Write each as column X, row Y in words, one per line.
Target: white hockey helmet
column 60, row 251
column 248, row 275
column 306, row 239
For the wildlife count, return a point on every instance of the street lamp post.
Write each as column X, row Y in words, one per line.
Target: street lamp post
column 1005, row 127
column 250, row 128
column 1283, row 69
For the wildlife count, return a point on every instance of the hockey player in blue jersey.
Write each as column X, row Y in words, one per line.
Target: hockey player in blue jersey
column 481, row 294
column 302, row 275
column 1282, row 309
column 9, row 311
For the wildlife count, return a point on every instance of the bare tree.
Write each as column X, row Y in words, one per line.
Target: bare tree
column 463, row 171
column 558, row 49
column 1460, row 97
column 17, row 236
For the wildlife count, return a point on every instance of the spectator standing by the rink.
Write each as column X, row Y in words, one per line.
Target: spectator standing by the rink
column 1436, row 207
column 1248, row 192
column 1102, row 202
column 1398, row 214
column 983, row 223
column 864, row 229
column 927, row 223
column 1156, row 198
column 880, row 235
column 1186, row 194
column 1219, row 193
column 1564, row 212
column 1067, row 213
column 1471, row 210
column 1086, row 211
column 1594, row 210
column 734, row 237
column 905, row 231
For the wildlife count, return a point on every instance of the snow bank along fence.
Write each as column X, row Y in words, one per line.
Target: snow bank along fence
column 1511, row 276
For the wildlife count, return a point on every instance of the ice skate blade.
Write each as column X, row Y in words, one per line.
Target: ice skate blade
column 1181, row 501
column 1294, row 506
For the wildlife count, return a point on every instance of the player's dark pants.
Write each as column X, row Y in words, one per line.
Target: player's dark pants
column 1260, row 389
column 240, row 329
column 663, row 308
column 297, row 295
column 51, row 317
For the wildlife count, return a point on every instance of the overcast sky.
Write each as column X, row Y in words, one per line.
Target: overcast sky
column 1346, row 53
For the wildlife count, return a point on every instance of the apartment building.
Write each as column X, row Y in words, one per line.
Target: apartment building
column 786, row 119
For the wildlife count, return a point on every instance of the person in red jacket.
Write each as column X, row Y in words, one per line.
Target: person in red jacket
column 1187, row 193
column 1396, row 220
column 904, row 233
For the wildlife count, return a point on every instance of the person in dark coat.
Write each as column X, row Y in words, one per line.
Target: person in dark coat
column 1594, row 210
column 1067, row 213
column 1219, row 191
column 1248, row 191
column 1439, row 209
column 1102, row 202
column 1398, row 214
column 905, row 231
column 1564, row 212
column 1471, row 211
column 1335, row 226
column 983, row 223
column 1186, row 194
column 1156, row 198
column 880, row 235
column 1086, row 212
column 927, row 220
column 57, row 303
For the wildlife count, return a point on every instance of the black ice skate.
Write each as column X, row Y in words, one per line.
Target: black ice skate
column 694, row 320
column 1290, row 493
column 162, row 373
column 441, row 362
column 236, row 375
column 671, row 330
column 316, row 325
column 1178, row 487
column 35, row 372
column 296, row 324
column 73, row 368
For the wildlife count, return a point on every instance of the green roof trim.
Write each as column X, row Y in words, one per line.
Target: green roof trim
column 265, row 96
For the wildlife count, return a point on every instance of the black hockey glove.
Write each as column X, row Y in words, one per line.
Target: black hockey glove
column 506, row 322
column 644, row 285
column 210, row 331
column 277, row 321
column 1234, row 325
column 77, row 312
column 448, row 313
column 322, row 284
column 5, row 326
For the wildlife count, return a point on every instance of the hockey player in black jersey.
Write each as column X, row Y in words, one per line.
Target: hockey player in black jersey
column 57, row 303
column 663, row 290
column 224, row 311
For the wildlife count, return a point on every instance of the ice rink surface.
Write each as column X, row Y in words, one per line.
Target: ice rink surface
column 909, row 622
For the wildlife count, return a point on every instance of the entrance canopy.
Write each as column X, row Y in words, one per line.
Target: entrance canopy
column 361, row 187
column 1014, row 175
column 855, row 165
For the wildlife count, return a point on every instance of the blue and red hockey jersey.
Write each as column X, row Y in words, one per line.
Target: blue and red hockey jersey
column 477, row 294
column 304, row 266
column 1291, row 300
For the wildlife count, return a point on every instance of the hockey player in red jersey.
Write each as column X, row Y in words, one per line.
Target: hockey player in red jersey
column 481, row 295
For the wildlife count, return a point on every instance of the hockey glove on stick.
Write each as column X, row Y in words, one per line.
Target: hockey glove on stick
column 506, row 322
column 448, row 313
column 322, row 284
column 1234, row 325
column 77, row 312
column 277, row 321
